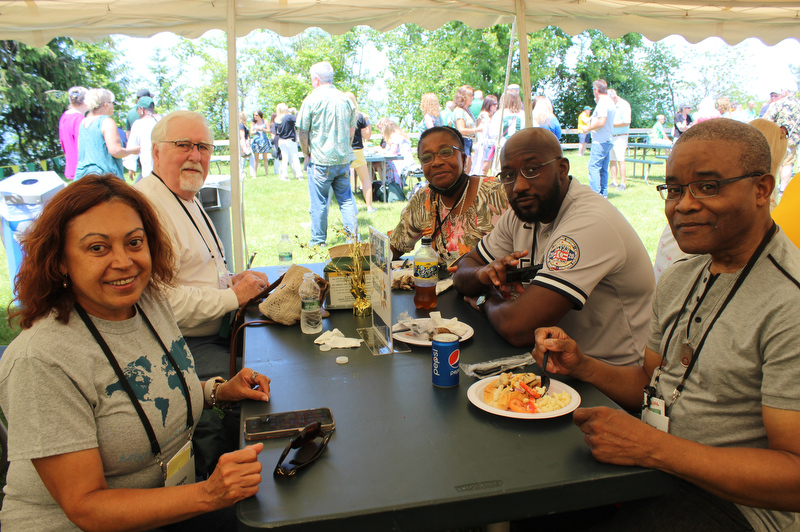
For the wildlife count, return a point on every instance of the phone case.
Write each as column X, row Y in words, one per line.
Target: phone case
column 282, row 424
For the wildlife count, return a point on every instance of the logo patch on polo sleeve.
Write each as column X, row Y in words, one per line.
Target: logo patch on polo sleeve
column 564, row 254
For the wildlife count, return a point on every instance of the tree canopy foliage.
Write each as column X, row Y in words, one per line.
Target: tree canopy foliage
column 273, row 69
column 33, row 91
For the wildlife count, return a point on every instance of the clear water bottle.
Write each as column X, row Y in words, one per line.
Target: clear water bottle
column 284, row 254
column 310, row 312
column 426, row 274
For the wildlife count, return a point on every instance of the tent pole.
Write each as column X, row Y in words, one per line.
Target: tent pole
column 238, row 264
column 525, row 70
column 502, row 109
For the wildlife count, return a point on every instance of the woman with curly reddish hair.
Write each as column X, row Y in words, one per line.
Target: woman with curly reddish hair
column 109, row 425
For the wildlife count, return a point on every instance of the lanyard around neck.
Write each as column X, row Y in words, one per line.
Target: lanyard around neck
column 745, row 271
column 205, row 219
column 154, row 445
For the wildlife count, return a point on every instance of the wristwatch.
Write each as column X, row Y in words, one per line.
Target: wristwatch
column 480, row 302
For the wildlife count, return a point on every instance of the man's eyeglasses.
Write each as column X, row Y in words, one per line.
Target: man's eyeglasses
column 185, row 146
column 308, row 449
column 707, row 188
column 529, row 171
column 444, row 153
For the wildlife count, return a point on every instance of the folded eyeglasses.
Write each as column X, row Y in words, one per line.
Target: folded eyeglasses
column 308, row 449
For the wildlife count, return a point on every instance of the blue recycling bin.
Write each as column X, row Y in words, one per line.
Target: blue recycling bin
column 23, row 196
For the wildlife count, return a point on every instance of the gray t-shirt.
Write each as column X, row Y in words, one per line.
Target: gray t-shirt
column 748, row 360
column 60, row 395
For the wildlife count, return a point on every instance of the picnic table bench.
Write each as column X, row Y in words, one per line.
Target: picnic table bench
column 643, row 159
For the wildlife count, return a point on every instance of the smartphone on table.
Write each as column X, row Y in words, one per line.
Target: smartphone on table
column 282, row 424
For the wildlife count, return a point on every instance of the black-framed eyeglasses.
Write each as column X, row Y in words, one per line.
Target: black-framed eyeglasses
column 529, row 171
column 308, row 449
column 707, row 188
column 444, row 153
column 185, row 146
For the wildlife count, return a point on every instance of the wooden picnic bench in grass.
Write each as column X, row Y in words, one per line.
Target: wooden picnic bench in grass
column 646, row 163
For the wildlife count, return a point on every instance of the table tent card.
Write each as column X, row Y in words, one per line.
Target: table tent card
column 378, row 337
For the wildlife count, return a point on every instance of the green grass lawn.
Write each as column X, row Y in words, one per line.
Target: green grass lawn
column 273, row 207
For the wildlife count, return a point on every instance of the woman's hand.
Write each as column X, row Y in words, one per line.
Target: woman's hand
column 235, row 478
column 247, row 384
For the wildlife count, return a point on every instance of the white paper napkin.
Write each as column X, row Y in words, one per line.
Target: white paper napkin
column 335, row 339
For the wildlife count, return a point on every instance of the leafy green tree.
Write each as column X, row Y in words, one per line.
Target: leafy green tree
column 283, row 68
column 33, row 85
column 167, row 86
column 715, row 74
column 210, row 97
column 270, row 70
column 442, row 60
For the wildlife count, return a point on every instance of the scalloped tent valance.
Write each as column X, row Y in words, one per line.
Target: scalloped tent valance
column 35, row 22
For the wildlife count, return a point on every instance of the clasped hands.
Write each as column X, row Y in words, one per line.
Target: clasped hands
column 238, row 473
column 248, row 284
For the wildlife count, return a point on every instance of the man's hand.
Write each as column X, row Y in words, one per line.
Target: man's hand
column 566, row 358
column 494, row 273
column 248, row 285
column 616, row 437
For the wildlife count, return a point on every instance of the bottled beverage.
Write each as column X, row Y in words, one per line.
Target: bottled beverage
column 426, row 274
column 310, row 312
column 284, row 254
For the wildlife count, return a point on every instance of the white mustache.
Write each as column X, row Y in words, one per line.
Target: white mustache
column 192, row 166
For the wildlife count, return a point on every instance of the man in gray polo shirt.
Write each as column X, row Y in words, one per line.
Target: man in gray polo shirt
column 721, row 406
column 325, row 127
column 596, row 279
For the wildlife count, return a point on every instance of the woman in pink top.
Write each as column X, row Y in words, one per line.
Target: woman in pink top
column 68, row 129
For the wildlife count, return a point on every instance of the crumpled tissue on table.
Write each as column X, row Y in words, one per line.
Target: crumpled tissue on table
column 497, row 366
column 335, row 339
column 443, row 285
column 423, row 329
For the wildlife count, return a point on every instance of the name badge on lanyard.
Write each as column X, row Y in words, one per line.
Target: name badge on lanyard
column 180, row 470
column 654, row 411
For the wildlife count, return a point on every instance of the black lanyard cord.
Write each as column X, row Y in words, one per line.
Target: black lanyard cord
column 745, row 271
column 154, row 445
column 194, row 223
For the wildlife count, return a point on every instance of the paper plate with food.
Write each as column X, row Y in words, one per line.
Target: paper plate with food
column 521, row 396
column 420, row 331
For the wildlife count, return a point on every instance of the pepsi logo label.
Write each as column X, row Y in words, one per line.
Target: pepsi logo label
column 453, row 358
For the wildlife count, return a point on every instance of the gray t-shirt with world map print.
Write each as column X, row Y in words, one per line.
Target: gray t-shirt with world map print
column 60, row 395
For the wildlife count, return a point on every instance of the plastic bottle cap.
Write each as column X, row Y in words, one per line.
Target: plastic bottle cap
column 342, row 360
column 324, row 347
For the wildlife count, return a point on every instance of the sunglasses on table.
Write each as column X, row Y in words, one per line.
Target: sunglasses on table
column 308, row 449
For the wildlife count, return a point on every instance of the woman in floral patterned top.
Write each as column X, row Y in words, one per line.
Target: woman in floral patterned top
column 454, row 209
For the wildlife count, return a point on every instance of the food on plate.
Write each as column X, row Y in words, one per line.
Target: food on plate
column 522, row 392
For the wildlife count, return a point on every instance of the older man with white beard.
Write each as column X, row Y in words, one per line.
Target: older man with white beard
column 205, row 292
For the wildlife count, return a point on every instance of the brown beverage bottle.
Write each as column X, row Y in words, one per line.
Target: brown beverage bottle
column 426, row 274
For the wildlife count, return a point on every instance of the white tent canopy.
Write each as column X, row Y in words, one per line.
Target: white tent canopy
column 36, row 22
